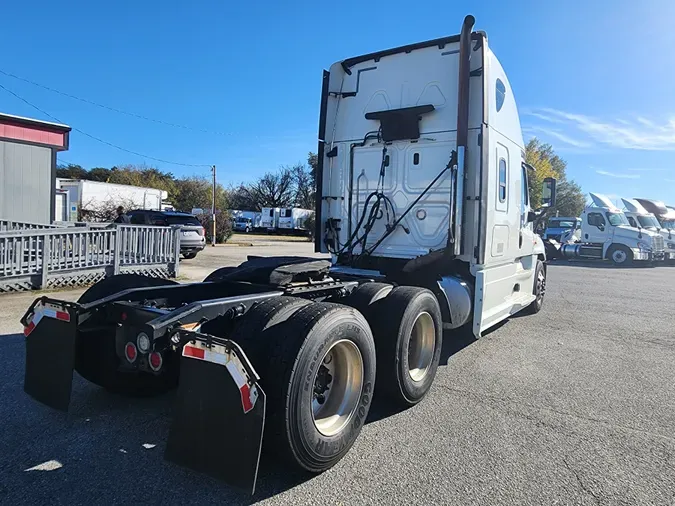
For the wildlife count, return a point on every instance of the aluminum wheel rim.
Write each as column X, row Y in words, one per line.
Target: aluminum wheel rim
column 337, row 387
column 541, row 285
column 619, row 256
column 421, row 346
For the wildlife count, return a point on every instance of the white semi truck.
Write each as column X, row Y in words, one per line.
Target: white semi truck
column 437, row 234
column 292, row 219
column 639, row 217
column 606, row 233
column 665, row 216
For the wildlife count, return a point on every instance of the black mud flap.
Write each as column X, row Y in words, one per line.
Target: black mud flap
column 50, row 328
column 219, row 415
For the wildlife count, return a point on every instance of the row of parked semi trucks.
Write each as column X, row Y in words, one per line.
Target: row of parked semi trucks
column 644, row 230
column 273, row 219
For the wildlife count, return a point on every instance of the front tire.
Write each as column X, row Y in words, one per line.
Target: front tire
column 408, row 331
column 620, row 255
column 319, row 377
column 539, row 289
column 190, row 256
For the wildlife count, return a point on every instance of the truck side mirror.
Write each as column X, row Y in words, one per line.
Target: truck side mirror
column 531, row 216
column 548, row 192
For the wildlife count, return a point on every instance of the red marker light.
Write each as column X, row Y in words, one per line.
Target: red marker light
column 130, row 352
column 155, row 361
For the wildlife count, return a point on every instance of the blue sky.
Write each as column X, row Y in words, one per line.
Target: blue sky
column 594, row 78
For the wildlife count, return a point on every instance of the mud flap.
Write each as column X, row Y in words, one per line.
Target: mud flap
column 219, row 415
column 50, row 328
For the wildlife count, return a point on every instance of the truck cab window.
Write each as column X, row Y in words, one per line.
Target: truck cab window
column 502, row 180
column 632, row 222
column 616, row 219
column 596, row 219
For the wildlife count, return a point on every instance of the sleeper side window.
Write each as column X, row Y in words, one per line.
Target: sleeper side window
column 502, row 180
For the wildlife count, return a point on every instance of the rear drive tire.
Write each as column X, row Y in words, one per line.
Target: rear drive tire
column 620, row 255
column 219, row 274
column 365, row 295
column 96, row 359
column 319, row 377
column 408, row 333
column 538, row 290
column 253, row 331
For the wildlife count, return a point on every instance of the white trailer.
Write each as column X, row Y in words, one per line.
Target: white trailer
column 606, row 233
column 269, row 218
column 292, row 219
column 93, row 196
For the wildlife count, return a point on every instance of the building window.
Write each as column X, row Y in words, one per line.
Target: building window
column 500, row 94
column 502, row 180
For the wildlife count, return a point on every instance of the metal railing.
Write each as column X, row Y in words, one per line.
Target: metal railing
column 58, row 257
column 8, row 225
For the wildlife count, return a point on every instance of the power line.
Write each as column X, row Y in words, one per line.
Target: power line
column 101, row 140
column 113, row 109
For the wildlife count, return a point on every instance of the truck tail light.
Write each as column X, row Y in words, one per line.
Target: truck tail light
column 130, row 352
column 155, row 361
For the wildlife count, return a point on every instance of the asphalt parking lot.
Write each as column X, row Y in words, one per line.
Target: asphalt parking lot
column 575, row 405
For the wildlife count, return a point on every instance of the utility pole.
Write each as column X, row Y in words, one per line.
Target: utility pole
column 213, row 208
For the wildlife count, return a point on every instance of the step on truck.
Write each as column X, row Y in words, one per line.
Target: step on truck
column 606, row 233
column 422, row 204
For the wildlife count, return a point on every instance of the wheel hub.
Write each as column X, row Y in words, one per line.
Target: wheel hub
column 337, row 387
column 619, row 256
column 421, row 346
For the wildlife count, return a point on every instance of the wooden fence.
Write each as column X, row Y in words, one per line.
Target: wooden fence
column 62, row 257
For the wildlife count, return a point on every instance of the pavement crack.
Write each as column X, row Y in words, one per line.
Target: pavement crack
column 581, row 483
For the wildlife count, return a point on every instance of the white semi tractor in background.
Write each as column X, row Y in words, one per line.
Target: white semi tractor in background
column 639, row 217
column 438, row 235
column 606, row 233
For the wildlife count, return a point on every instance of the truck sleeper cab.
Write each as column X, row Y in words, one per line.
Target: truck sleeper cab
column 422, row 203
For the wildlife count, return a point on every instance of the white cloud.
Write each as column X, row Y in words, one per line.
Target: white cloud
column 560, row 136
column 617, row 175
column 642, row 133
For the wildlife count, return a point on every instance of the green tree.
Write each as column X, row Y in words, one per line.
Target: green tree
column 99, row 174
column 71, row 171
column 197, row 192
column 570, row 199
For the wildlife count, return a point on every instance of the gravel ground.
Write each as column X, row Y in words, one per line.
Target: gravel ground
column 575, row 405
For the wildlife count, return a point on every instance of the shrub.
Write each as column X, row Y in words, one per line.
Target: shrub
column 309, row 226
column 223, row 226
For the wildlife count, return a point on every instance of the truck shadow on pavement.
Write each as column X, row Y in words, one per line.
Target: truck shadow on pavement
column 106, row 445
column 598, row 264
column 107, row 449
